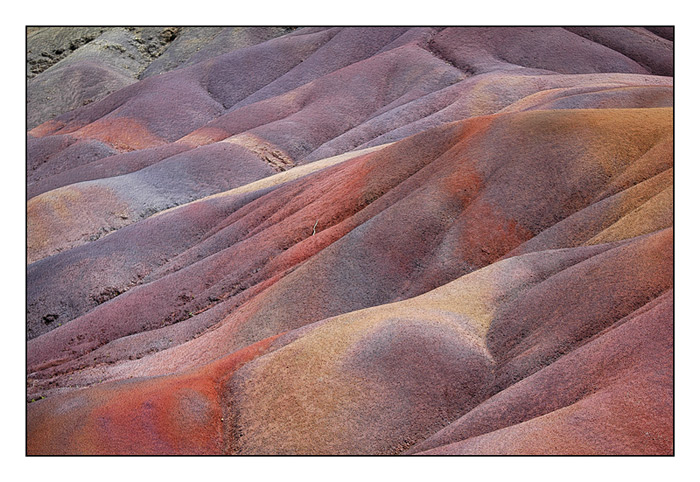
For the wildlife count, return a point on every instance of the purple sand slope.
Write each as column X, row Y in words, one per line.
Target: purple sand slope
column 352, row 240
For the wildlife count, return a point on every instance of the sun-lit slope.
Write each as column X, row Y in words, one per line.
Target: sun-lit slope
column 319, row 93
column 46, row 153
column 361, row 234
column 167, row 415
column 612, row 395
column 79, row 213
column 162, row 168
column 355, row 240
column 382, row 379
column 172, row 174
column 59, row 160
column 105, row 268
column 378, row 380
column 169, row 106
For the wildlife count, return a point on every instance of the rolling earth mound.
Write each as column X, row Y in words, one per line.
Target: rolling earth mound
column 350, row 240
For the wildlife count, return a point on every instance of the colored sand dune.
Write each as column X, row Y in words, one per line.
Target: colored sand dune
column 350, row 240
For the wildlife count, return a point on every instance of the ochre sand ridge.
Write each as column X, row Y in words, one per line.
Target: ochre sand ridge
column 377, row 241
